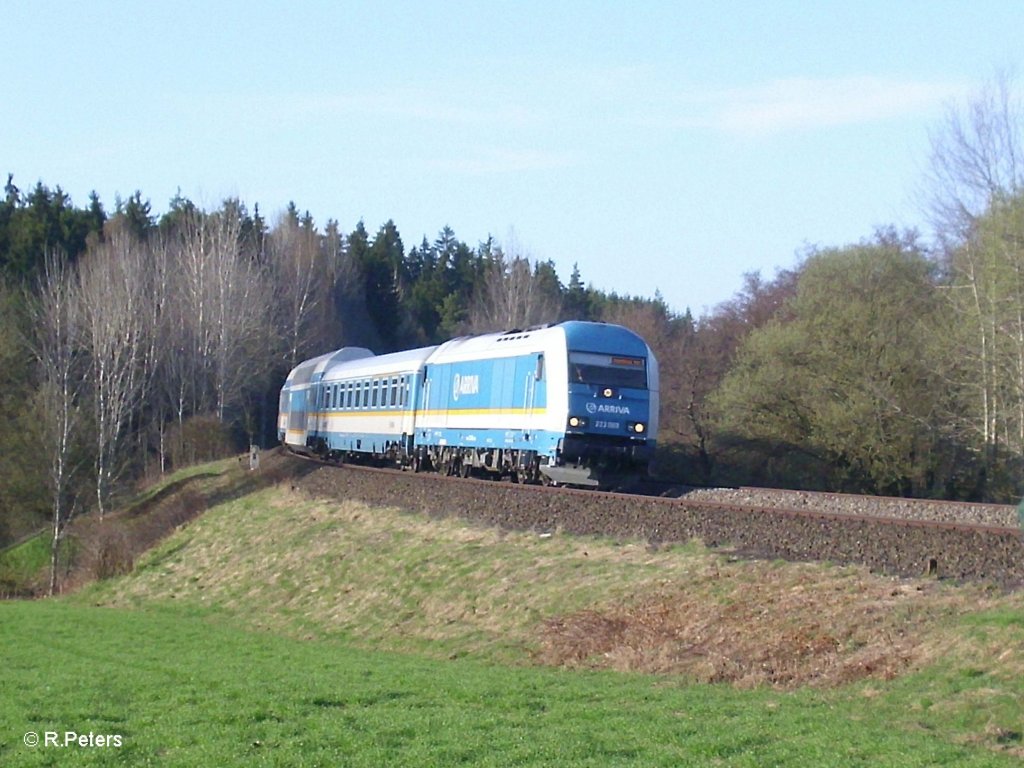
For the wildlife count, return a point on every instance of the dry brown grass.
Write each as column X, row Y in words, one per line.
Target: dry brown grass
column 756, row 623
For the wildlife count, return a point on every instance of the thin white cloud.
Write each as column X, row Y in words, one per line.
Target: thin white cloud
column 800, row 104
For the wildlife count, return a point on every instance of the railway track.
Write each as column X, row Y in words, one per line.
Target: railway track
column 889, row 536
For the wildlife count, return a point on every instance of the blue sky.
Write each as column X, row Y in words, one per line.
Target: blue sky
column 661, row 146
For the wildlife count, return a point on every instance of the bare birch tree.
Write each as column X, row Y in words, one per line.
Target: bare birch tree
column 513, row 295
column 302, row 280
column 225, row 308
column 115, row 307
column 976, row 184
column 976, row 157
column 57, row 326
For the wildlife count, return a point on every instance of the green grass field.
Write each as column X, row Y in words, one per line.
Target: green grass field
column 181, row 688
column 281, row 630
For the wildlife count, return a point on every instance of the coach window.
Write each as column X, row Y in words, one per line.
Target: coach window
column 373, row 393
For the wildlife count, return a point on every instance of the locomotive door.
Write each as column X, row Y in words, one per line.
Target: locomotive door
column 534, row 380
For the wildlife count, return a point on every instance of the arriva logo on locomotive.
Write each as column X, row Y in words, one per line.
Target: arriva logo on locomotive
column 465, row 385
column 621, row 410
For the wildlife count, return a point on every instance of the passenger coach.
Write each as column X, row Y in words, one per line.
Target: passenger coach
column 574, row 403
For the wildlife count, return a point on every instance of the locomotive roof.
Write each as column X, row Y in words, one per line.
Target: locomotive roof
column 603, row 337
column 574, row 334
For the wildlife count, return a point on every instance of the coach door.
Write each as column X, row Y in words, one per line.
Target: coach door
column 405, row 404
column 297, row 416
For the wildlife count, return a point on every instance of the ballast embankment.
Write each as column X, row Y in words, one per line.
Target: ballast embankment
column 887, row 545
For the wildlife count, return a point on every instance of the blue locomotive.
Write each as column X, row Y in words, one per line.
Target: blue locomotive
column 574, row 403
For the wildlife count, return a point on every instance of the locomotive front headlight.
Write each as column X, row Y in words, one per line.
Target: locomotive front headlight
column 639, row 427
column 577, row 422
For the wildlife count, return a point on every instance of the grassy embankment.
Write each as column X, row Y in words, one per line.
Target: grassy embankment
column 283, row 630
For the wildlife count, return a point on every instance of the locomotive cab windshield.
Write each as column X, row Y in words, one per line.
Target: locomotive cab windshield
column 608, row 370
